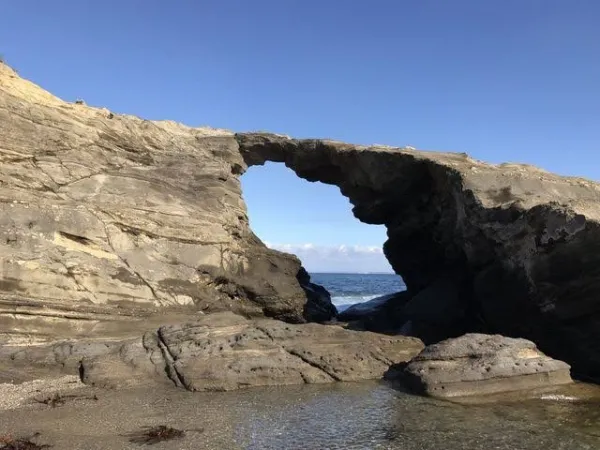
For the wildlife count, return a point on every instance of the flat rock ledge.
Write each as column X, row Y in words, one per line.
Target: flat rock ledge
column 224, row 351
column 481, row 364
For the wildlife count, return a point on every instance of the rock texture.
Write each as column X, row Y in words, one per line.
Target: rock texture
column 478, row 364
column 224, row 352
column 103, row 215
column 504, row 248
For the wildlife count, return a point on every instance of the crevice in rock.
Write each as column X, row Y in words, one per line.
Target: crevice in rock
column 295, row 353
column 123, row 260
column 169, row 359
column 72, row 276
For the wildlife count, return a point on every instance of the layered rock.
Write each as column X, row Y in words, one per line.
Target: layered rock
column 504, row 248
column 104, row 217
column 479, row 364
column 224, row 352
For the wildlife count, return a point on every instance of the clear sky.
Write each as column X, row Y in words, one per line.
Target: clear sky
column 510, row 80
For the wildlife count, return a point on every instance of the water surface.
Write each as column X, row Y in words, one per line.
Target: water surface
column 348, row 416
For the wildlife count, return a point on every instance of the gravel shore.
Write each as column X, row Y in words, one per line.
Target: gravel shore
column 15, row 395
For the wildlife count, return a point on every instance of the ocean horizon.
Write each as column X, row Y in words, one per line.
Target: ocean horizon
column 348, row 288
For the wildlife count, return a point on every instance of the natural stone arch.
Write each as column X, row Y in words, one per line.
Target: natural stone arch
column 516, row 246
column 105, row 217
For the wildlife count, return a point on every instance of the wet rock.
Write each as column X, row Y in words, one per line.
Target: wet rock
column 479, row 364
column 382, row 314
column 224, row 352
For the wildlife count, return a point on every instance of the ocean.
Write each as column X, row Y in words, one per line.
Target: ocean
column 347, row 289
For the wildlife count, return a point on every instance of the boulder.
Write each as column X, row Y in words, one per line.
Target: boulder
column 480, row 364
column 382, row 314
column 225, row 351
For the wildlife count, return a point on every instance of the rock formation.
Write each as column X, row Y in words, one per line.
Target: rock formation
column 223, row 351
column 104, row 215
column 479, row 364
column 508, row 248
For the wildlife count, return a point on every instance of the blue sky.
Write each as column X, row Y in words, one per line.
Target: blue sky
column 511, row 80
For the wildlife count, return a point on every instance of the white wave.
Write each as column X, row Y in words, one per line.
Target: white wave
column 353, row 299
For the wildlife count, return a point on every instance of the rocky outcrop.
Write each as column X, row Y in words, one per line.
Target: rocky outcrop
column 504, row 248
column 225, row 352
column 479, row 364
column 382, row 314
column 103, row 215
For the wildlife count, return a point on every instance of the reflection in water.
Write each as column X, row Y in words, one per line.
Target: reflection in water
column 373, row 416
column 347, row 416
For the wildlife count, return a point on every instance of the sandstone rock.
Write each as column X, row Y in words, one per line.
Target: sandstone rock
column 478, row 364
column 103, row 214
column 224, row 351
column 104, row 217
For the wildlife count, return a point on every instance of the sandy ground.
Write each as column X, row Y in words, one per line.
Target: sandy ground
column 16, row 395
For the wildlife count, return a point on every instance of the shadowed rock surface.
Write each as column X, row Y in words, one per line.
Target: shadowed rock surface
column 508, row 248
column 224, row 352
column 105, row 216
column 480, row 364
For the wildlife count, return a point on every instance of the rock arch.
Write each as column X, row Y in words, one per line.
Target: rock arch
column 501, row 248
column 104, row 217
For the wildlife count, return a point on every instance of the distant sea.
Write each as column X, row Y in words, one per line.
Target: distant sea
column 347, row 289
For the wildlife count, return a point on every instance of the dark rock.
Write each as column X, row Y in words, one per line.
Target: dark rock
column 224, row 352
column 522, row 244
column 480, row 364
column 382, row 314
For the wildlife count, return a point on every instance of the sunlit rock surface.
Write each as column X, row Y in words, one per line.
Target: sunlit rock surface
column 104, row 217
column 480, row 364
column 224, row 352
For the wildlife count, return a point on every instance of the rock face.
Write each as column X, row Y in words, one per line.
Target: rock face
column 478, row 364
column 508, row 248
column 103, row 214
column 224, row 352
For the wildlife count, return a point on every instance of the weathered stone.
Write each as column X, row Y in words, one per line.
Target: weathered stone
column 224, row 351
column 102, row 213
column 382, row 314
column 522, row 244
column 479, row 364
column 105, row 216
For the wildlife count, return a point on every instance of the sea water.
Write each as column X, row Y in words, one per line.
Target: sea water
column 347, row 289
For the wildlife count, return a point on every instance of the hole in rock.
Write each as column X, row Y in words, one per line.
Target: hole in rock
column 314, row 221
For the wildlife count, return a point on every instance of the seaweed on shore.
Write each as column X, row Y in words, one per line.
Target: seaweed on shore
column 156, row 434
column 8, row 442
column 60, row 399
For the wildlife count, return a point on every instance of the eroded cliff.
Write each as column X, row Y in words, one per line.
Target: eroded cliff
column 104, row 217
column 504, row 248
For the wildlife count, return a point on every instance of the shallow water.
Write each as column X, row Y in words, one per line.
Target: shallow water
column 334, row 416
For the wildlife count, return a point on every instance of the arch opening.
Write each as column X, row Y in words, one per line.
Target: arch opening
column 417, row 206
column 315, row 223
